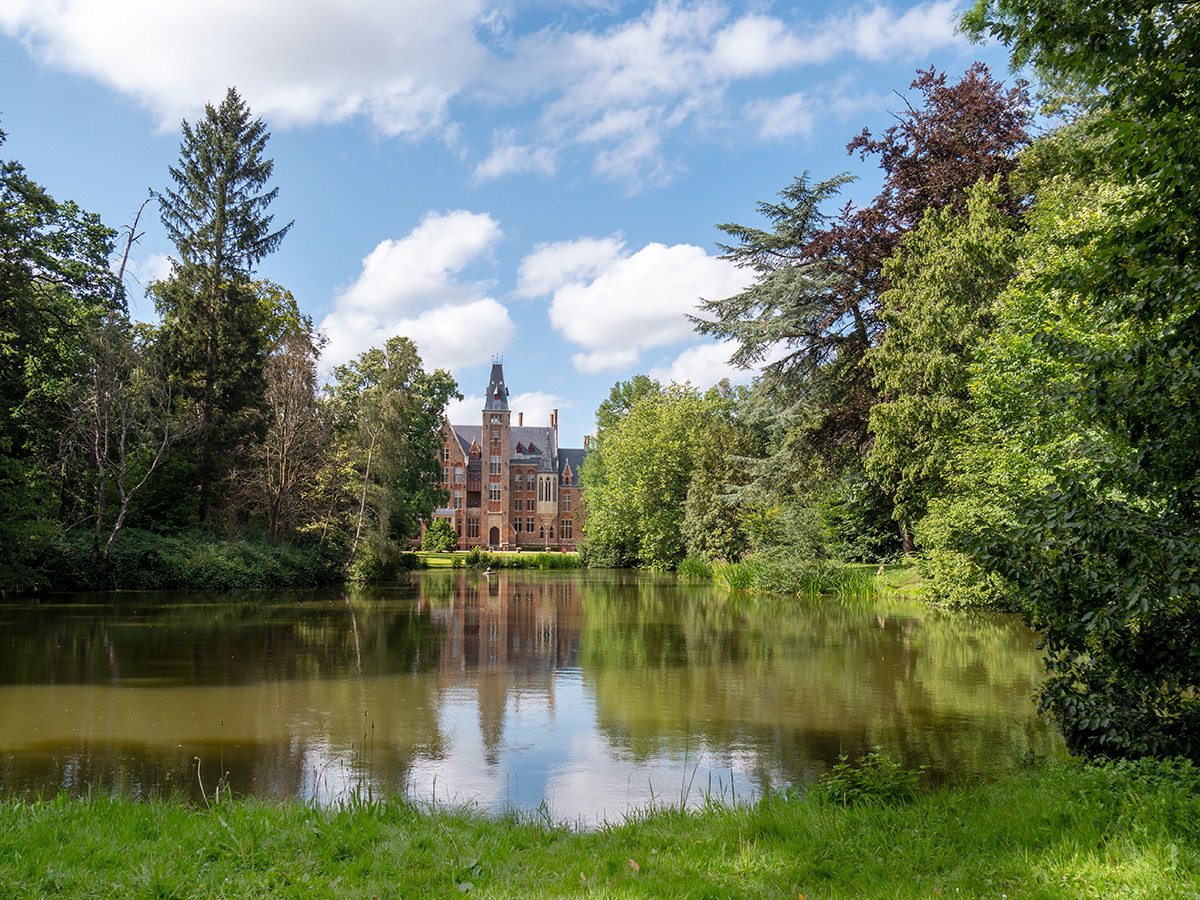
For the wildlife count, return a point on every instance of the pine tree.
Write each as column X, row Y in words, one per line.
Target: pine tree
column 212, row 329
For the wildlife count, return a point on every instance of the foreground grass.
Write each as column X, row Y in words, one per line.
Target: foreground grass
column 1064, row 831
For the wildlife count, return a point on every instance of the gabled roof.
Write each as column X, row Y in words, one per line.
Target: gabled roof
column 574, row 458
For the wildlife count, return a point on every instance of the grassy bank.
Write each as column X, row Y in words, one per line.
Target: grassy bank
column 1066, row 831
column 783, row 572
column 484, row 559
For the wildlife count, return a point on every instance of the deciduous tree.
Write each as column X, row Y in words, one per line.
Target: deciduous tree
column 55, row 285
column 387, row 411
column 1107, row 562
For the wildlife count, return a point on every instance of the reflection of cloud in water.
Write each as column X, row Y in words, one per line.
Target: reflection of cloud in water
column 594, row 785
column 595, row 693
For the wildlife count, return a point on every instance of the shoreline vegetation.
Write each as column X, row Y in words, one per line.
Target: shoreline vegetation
column 196, row 560
column 1065, row 829
column 199, row 561
column 782, row 574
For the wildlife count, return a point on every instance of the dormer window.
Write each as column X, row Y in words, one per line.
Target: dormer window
column 519, row 450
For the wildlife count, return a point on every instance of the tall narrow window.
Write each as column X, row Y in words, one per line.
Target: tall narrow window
column 446, row 473
column 458, row 499
column 567, row 502
column 529, row 524
column 494, row 465
column 458, row 474
column 564, row 529
column 493, row 492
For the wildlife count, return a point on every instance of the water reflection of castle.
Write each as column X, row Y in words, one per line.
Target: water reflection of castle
column 506, row 635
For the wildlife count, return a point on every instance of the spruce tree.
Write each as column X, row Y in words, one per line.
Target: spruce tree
column 212, row 320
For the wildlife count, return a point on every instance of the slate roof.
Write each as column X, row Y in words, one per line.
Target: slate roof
column 497, row 393
column 538, row 443
column 573, row 456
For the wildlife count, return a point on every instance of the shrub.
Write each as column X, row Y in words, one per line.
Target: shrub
column 381, row 560
column 439, row 536
column 874, row 778
column 144, row 561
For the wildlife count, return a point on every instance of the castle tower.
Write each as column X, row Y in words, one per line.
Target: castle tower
column 496, row 451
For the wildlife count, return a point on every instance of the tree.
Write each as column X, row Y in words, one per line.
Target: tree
column 284, row 470
column 212, row 326
column 815, row 302
column 124, row 413
column 55, row 285
column 713, row 520
column 439, row 537
column 635, row 514
column 1107, row 563
column 940, row 308
column 387, row 412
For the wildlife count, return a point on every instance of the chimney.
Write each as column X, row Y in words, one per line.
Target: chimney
column 520, row 419
column 554, row 419
column 587, row 439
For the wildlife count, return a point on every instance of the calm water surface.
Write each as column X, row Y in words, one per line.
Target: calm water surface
column 593, row 692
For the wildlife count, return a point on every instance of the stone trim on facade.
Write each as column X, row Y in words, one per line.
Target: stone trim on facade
column 511, row 486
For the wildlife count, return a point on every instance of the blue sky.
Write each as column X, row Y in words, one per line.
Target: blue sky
column 536, row 180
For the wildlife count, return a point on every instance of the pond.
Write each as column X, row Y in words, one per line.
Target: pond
column 589, row 692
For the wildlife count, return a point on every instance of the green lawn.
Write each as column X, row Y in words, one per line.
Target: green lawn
column 1063, row 831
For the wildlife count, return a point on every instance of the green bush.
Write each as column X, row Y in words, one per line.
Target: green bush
column 874, row 778
column 857, row 518
column 948, row 573
column 141, row 560
column 439, row 536
column 378, row 561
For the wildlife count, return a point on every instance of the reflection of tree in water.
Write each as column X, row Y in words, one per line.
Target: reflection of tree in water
column 253, row 685
column 793, row 684
column 774, row 689
column 226, row 640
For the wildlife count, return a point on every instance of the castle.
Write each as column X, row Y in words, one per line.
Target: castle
column 511, row 486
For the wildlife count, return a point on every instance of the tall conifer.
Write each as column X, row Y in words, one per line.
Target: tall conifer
column 212, row 329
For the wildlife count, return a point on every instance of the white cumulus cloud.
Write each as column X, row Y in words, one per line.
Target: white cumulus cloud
column 397, row 62
column 537, row 406
column 616, row 94
column 704, row 366
column 412, row 287
column 616, row 304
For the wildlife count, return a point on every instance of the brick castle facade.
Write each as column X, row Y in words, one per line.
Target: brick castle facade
column 511, row 485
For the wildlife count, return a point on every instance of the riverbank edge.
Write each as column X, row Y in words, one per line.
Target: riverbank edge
column 1051, row 831
column 143, row 561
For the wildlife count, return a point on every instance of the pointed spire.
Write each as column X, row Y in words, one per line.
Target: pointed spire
column 549, row 460
column 497, row 393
